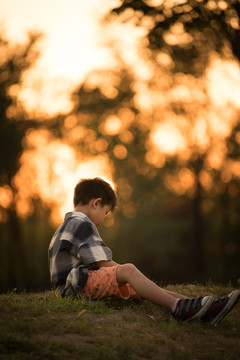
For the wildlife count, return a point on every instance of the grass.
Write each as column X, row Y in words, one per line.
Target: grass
column 42, row 326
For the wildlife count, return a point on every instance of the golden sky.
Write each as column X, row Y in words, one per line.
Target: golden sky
column 71, row 47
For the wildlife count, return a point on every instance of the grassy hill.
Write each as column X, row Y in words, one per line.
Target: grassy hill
column 42, row 326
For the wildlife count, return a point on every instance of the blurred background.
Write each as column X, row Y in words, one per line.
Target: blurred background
column 145, row 94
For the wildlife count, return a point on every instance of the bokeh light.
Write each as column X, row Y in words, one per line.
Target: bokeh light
column 50, row 167
column 50, row 170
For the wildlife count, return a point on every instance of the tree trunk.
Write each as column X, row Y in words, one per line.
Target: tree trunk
column 198, row 240
column 16, row 257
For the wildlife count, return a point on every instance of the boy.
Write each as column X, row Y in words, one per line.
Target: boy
column 81, row 263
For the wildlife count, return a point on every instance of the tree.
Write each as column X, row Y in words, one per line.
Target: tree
column 185, row 36
column 110, row 124
column 108, row 120
column 207, row 24
column 13, row 126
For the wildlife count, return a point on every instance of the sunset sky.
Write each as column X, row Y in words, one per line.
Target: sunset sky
column 71, row 47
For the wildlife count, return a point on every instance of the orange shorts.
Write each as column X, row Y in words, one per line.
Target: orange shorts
column 103, row 283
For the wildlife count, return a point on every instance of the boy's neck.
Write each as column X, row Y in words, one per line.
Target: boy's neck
column 83, row 209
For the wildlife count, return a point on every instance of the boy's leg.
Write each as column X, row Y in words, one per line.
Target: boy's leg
column 176, row 295
column 181, row 308
column 145, row 288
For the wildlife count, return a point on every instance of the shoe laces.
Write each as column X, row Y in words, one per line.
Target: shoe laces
column 221, row 301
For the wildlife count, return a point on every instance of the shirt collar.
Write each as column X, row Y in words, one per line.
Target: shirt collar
column 76, row 214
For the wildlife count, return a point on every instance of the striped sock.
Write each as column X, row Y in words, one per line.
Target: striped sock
column 175, row 306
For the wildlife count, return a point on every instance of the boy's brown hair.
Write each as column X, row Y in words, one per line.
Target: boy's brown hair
column 88, row 189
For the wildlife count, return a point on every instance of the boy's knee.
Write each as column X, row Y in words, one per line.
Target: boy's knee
column 125, row 272
column 129, row 267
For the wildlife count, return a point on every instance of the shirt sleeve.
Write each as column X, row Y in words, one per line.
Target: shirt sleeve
column 92, row 249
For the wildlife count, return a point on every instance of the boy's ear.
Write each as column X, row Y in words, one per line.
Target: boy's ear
column 96, row 202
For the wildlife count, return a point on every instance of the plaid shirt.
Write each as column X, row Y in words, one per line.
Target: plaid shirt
column 76, row 244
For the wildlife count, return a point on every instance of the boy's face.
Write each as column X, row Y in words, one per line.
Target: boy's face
column 99, row 212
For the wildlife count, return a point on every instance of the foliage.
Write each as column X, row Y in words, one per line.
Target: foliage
column 144, row 232
column 178, row 215
column 209, row 24
column 13, row 126
column 183, row 37
column 14, row 61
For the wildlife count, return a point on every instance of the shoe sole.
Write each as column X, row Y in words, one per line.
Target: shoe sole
column 234, row 298
column 203, row 310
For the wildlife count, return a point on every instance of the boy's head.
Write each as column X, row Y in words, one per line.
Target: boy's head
column 88, row 189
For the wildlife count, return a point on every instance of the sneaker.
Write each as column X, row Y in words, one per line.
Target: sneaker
column 189, row 309
column 221, row 307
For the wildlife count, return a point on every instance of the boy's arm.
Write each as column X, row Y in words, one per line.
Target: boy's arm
column 106, row 263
